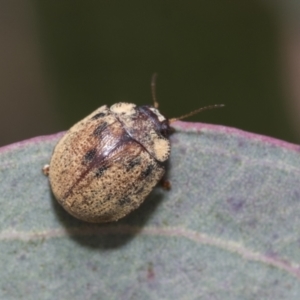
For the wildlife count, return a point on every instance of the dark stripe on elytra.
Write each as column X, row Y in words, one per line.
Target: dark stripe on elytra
column 89, row 156
column 147, row 172
column 99, row 161
column 133, row 163
column 99, row 129
column 125, row 200
column 98, row 116
column 100, row 171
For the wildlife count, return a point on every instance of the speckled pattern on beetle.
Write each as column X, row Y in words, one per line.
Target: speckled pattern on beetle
column 105, row 165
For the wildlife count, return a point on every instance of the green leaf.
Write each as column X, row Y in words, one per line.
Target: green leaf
column 228, row 229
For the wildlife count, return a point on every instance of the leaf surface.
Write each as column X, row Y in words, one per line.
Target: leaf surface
column 228, row 229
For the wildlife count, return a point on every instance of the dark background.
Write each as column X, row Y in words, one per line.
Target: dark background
column 60, row 60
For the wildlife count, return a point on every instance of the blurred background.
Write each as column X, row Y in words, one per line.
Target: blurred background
column 60, row 60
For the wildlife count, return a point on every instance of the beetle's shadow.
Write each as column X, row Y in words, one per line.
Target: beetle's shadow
column 109, row 235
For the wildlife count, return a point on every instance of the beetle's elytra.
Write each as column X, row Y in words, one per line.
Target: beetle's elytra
column 105, row 165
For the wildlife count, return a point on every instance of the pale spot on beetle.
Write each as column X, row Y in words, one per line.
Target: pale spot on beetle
column 123, row 108
column 99, row 129
column 160, row 117
column 161, row 149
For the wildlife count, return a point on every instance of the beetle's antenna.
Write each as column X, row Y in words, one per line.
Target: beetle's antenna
column 194, row 112
column 153, row 90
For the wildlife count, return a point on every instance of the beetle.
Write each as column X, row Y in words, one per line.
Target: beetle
column 106, row 164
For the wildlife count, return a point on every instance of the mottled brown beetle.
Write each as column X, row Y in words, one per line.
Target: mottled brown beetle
column 105, row 165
